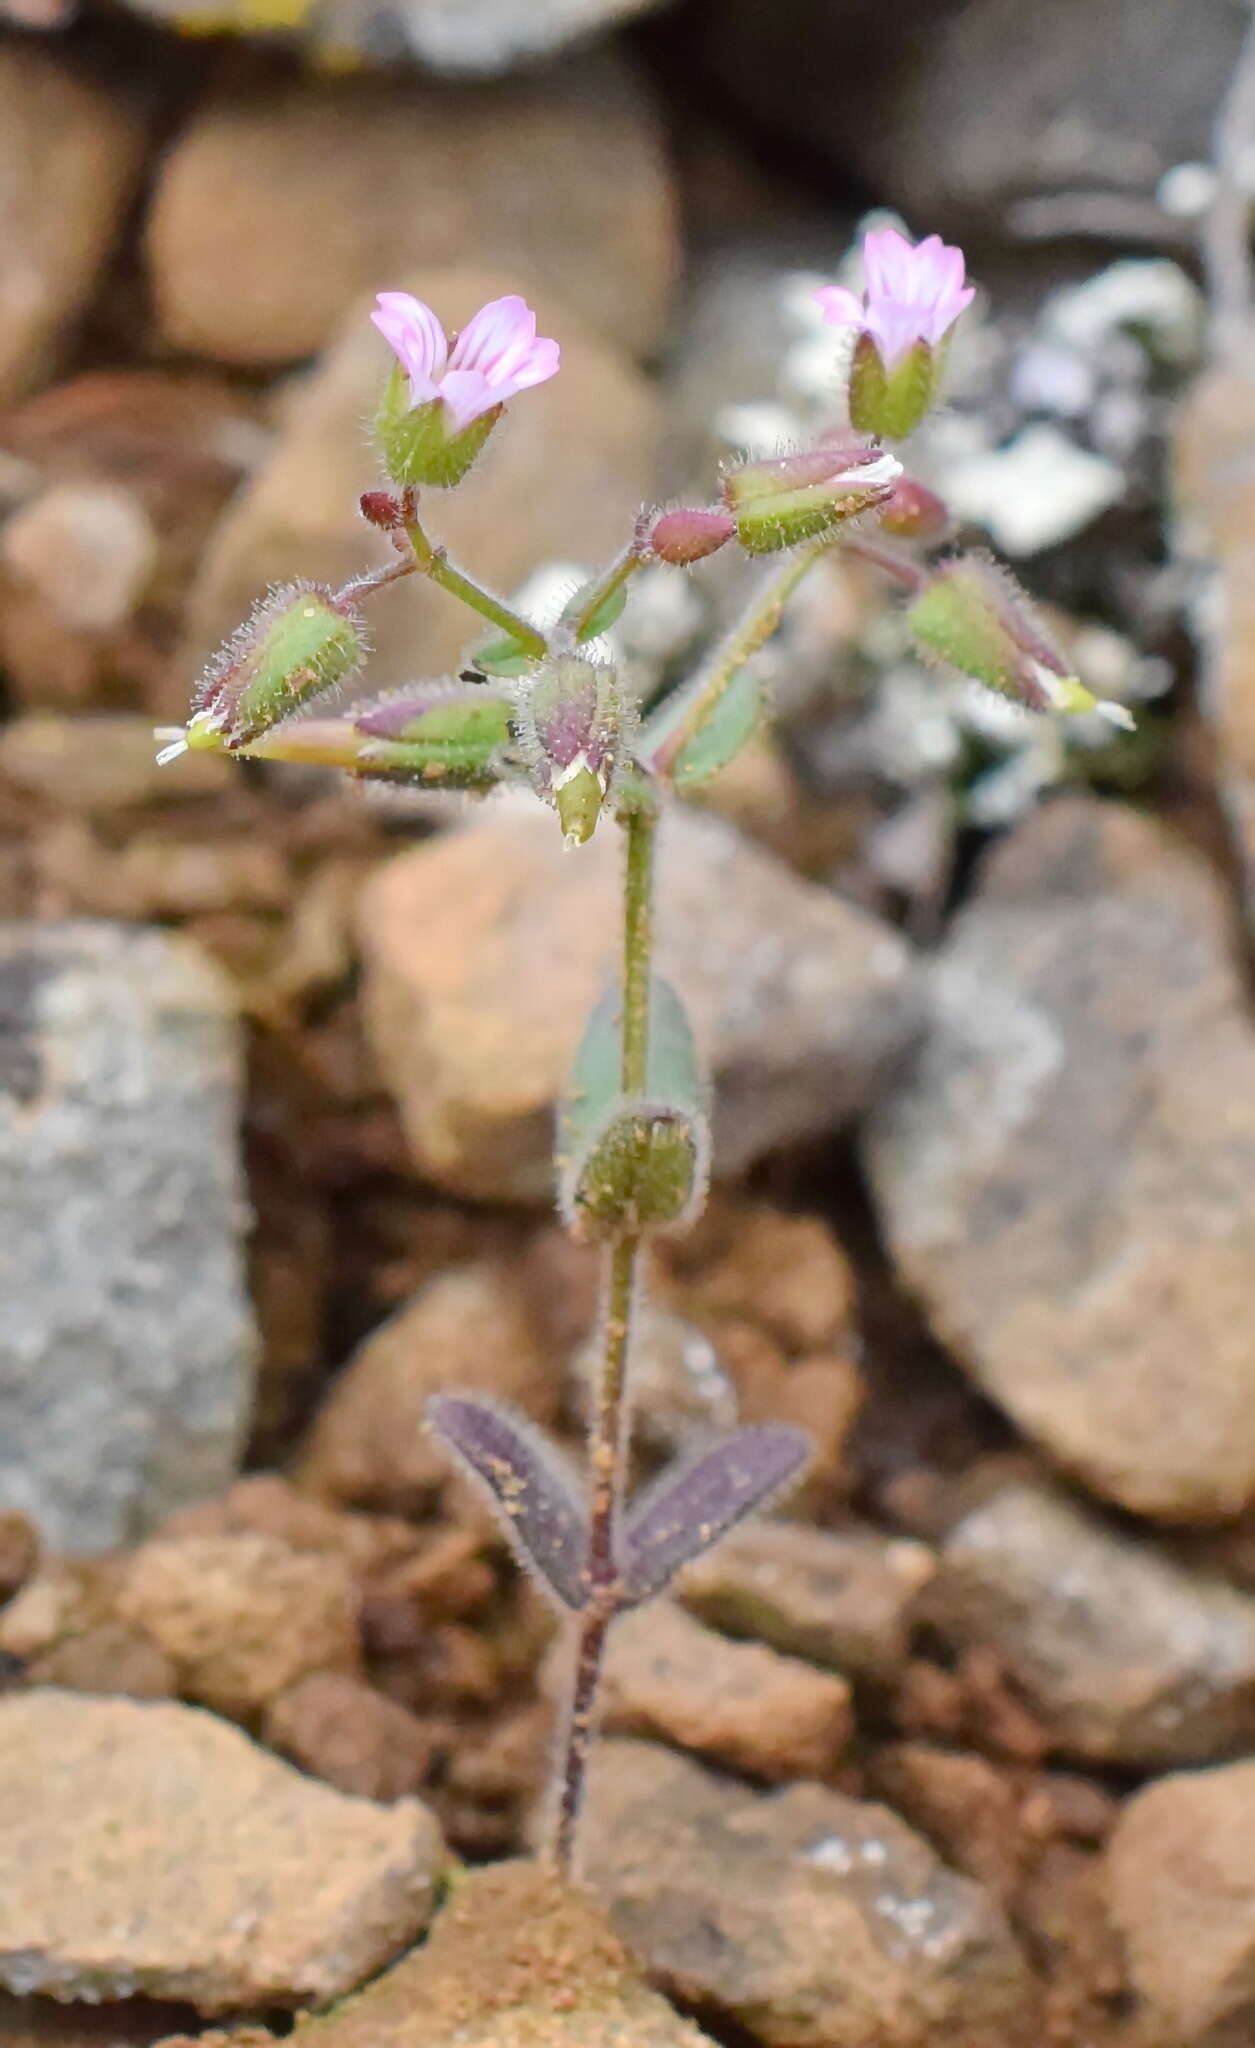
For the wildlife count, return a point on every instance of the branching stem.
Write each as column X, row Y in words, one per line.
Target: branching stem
column 611, row 1424
column 433, row 563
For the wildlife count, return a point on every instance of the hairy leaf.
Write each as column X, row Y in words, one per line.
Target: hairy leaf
column 528, row 1484
column 689, row 1508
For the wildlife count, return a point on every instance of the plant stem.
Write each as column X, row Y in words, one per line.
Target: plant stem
column 611, row 1424
column 435, row 564
column 684, row 715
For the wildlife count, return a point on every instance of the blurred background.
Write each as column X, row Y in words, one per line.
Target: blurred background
column 278, row 1063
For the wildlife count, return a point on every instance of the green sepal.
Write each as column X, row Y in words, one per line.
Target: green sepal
column 889, row 404
column 457, row 737
column 633, row 1163
column 299, row 643
column 415, row 440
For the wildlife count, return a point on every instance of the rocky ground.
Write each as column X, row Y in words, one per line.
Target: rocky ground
column 961, row 1746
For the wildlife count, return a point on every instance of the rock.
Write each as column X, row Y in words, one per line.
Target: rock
column 108, row 1659
column 154, row 1849
column 740, row 1704
column 466, row 1329
column 125, row 1345
column 809, row 1919
column 785, row 1271
column 1214, row 461
column 1037, row 491
column 491, row 35
column 1064, row 142
column 241, row 1617
column 89, row 550
column 345, row 1732
column 839, row 1598
column 515, row 1960
column 1181, row 1891
column 968, row 1810
column 71, row 150
column 42, row 2023
column 1067, row 1173
column 19, row 1554
column 798, row 1000
column 299, row 516
column 1124, row 1656
column 100, row 762
column 276, row 208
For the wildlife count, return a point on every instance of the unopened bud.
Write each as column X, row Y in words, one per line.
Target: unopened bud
column 785, row 499
column 890, row 402
column 975, row 620
column 452, row 734
column 298, row 643
column 646, row 1170
column 569, row 722
column 686, row 534
column 913, row 512
column 420, row 443
column 381, row 509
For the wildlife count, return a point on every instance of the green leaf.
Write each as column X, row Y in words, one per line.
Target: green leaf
column 610, row 609
column 502, row 657
column 717, row 739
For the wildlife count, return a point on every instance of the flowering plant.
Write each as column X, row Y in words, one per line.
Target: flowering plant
column 549, row 710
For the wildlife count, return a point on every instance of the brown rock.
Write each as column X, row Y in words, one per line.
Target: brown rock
column 466, row 1329
column 785, row 1272
column 299, row 515
column 278, row 205
column 515, row 1960
column 1181, row 1890
column 19, row 1554
column 798, row 1000
column 100, row 762
column 839, row 1598
column 1067, row 1174
column 740, row 1704
column 88, row 550
column 109, row 1660
column 242, row 1617
column 968, row 1810
column 1121, row 1654
column 70, row 155
column 42, row 2023
column 1215, row 478
column 345, row 1732
column 809, row 1919
column 152, row 1848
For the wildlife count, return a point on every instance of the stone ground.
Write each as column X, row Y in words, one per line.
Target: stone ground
column 960, row 1746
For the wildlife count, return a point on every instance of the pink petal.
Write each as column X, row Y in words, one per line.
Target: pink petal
column 540, row 363
column 415, row 336
column 467, row 394
column 841, row 308
column 500, row 331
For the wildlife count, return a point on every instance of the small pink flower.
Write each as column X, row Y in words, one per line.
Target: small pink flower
column 496, row 354
column 911, row 294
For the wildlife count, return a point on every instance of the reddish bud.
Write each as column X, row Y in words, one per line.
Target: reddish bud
column 684, row 535
column 381, row 509
column 914, row 512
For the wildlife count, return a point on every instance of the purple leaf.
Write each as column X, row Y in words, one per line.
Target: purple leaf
column 528, row 1484
column 689, row 1508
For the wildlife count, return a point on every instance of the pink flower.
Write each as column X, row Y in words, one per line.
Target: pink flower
column 496, row 354
column 911, row 294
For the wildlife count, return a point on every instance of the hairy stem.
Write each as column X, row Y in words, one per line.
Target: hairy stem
column 611, row 1422
column 433, row 562
column 685, row 714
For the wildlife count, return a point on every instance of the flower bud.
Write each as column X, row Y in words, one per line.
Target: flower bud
column 299, row 642
column 974, row 619
column 422, row 444
column 785, row 499
column 434, row 734
column 381, row 509
column 686, row 534
column 569, row 722
column 913, row 512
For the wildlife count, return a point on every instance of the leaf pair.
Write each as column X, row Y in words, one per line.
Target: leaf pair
column 686, row 1510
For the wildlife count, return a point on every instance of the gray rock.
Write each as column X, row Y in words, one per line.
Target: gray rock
column 1124, row 1656
column 479, row 37
column 842, row 1598
column 152, row 1848
column 810, row 1919
column 1180, row 1888
column 486, row 949
column 126, row 1345
column 1067, row 1172
column 1072, row 137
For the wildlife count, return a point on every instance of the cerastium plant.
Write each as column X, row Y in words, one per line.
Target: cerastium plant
column 549, row 709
